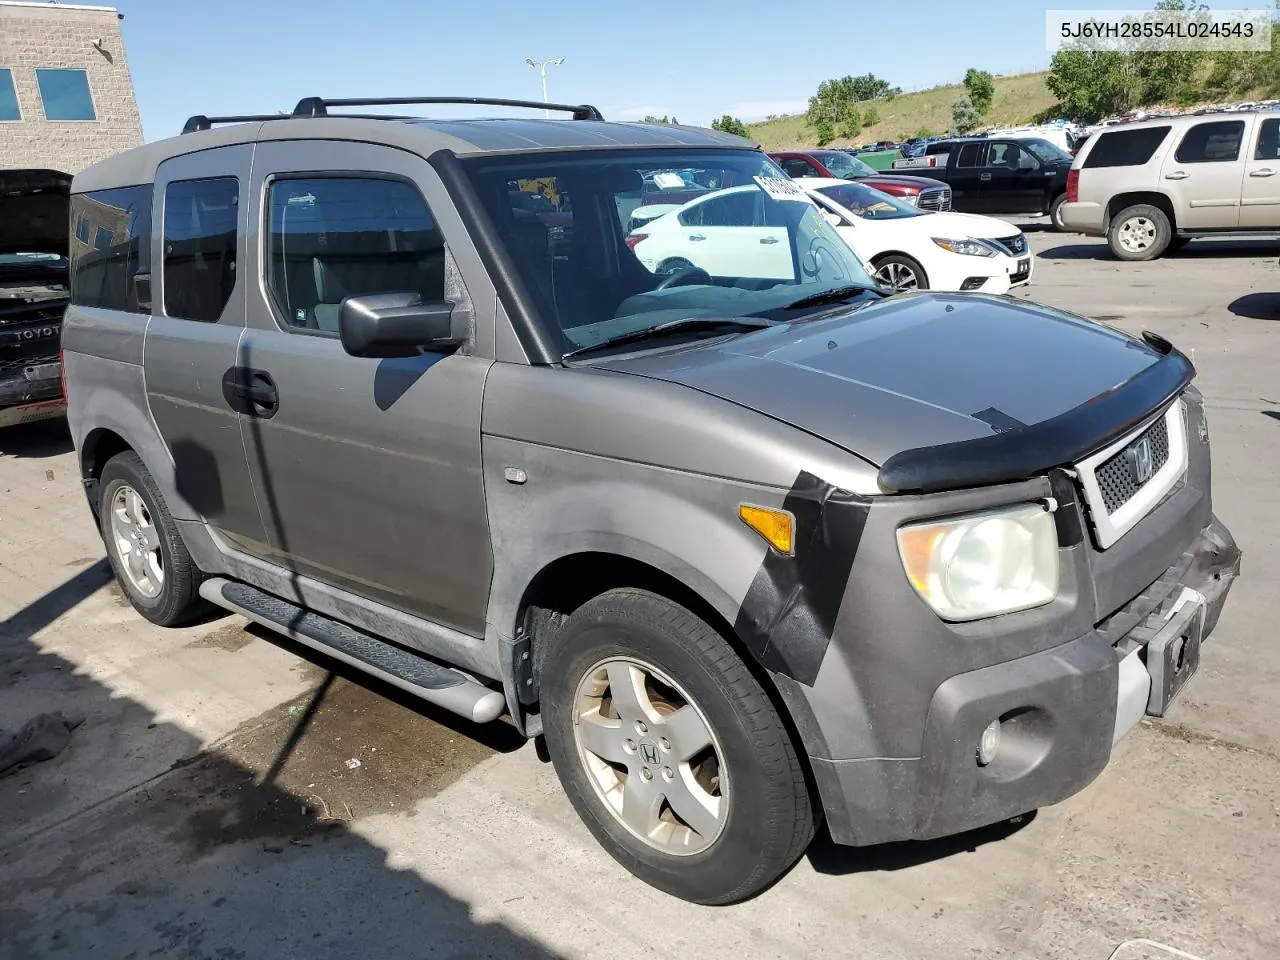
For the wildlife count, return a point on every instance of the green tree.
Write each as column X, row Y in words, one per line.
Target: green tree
column 826, row 132
column 835, row 98
column 728, row 124
column 982, row 89
column 662, row 119
column 964, row 116
column 1089, row 84
column 870, row 116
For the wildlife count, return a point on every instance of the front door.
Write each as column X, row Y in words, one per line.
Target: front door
column 1260, row 195
column 199, row 230
column 1204, row 175
column 368, row 471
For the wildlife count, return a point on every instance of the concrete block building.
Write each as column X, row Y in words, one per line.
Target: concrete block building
column 66, row 97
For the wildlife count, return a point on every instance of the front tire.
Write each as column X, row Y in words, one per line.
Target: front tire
column 147, row 555
column 901, row 273
column 671, row 752
column 1140, row 232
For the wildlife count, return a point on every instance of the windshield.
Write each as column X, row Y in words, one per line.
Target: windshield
column 870, row 204
column 648, row 242
column 1046, row 151
column 844, row 165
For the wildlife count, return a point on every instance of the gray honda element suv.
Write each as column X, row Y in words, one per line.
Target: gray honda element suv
column 750, row 542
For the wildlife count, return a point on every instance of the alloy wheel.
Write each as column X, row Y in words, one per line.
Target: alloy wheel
column 651, row 755
column 137, row 542
column 898, row 276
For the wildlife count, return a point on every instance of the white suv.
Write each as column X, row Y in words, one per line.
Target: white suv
column 1150, row 186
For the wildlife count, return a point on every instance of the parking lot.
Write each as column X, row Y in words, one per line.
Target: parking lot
column 231, row 795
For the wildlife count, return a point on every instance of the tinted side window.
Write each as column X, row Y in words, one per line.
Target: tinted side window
column 968, row 155
column 795, row 167
column 102, row 273
column 1007, row 156
column 200, row 247
column 1211, row 142
column 1126, row 148
column 1268, row 147
column 329, row 238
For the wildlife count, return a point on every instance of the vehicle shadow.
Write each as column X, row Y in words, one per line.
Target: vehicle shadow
column 828, row 857
column 44, row 438
column 1256, row 306
column 1097, row 249
column 135, row 841
column 1273, row 414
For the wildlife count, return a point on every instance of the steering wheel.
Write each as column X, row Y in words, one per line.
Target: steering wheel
column 682, row 275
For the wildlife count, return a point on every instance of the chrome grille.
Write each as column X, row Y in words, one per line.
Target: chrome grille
column 1117, row 479
column 1016, row 245
column 937, row 199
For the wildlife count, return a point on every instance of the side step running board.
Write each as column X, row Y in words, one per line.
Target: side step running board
column 443, row 686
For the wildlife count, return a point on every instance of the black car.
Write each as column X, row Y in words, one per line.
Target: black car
column 33, row 292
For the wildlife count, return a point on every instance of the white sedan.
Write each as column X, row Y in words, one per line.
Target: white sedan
column 911, row 249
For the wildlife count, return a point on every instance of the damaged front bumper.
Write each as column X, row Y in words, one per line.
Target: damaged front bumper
column 1061, row 711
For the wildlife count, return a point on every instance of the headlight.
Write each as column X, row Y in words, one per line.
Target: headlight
column 983, row 564
column 965, row 246
column 911, row 198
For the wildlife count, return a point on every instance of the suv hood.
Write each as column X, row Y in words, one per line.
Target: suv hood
column 894, row 180
column 910, row 371
column 34, row 211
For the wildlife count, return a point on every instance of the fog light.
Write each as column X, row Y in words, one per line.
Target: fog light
column 989, row 745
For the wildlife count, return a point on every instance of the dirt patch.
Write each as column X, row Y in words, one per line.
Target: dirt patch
column 82, row 562
column 230, row 638
column 1178, row 731
column 286, row 777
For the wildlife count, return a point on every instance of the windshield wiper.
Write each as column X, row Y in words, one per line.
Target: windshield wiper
column 712, row 324
column 834, row 295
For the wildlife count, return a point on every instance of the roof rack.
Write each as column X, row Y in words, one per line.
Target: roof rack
column 318, row 106
column 200, row 122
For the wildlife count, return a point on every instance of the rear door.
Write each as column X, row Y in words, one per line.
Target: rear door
column 964, row 170
column 1012, row 180
column 199, row 235
column 1204, row 175
column 1260, row 195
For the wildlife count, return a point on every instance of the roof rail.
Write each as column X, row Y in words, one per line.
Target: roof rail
column 201, row 122
column 318, row 106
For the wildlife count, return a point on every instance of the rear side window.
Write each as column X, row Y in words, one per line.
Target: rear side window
column 1126, row 148
column 329, row 238
column 1211, row 142
column 968, row 155
column 1268, row 147
column 119, row 223
column 200, row 247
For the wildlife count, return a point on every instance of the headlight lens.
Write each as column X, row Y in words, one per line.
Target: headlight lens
column 965, row 246
column 911, row 198
column 983, row 564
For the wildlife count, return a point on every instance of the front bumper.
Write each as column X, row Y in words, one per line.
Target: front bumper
column 25, row 400
column 1063, row 709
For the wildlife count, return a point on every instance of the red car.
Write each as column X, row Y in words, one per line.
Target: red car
column 924, row 193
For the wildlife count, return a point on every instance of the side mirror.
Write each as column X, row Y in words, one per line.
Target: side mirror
column 383, row 325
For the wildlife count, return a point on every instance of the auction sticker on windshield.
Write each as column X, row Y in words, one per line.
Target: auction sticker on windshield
column 782, row 189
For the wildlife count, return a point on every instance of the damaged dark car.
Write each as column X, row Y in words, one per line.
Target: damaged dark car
column 34, row 267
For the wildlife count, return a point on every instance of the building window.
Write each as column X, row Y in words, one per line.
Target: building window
column 8, row 97
column 65, row 95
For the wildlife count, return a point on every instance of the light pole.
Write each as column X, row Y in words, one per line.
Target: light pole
column 541, row 67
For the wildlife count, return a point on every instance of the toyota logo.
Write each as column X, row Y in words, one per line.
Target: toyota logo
column 38, row 333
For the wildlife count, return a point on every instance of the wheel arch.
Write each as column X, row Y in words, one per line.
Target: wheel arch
column 885, row 254
column 100, row 444
column 1131, row 198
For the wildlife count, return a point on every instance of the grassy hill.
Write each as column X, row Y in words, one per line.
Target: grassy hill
column 1017, row 100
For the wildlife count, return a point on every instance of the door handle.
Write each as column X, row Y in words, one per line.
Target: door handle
column 1262, row 172
column 697, row 236
column 251, row 392
column 768, row 239
column 984, row 176
column 1177, row 175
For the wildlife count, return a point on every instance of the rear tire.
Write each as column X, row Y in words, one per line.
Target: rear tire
column 900, row 272
column 147, row 555
column 1140, row 232
column 670, row 750
column 1055, row 213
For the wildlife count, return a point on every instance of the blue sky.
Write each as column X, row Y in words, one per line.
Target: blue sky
column 696, row 61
